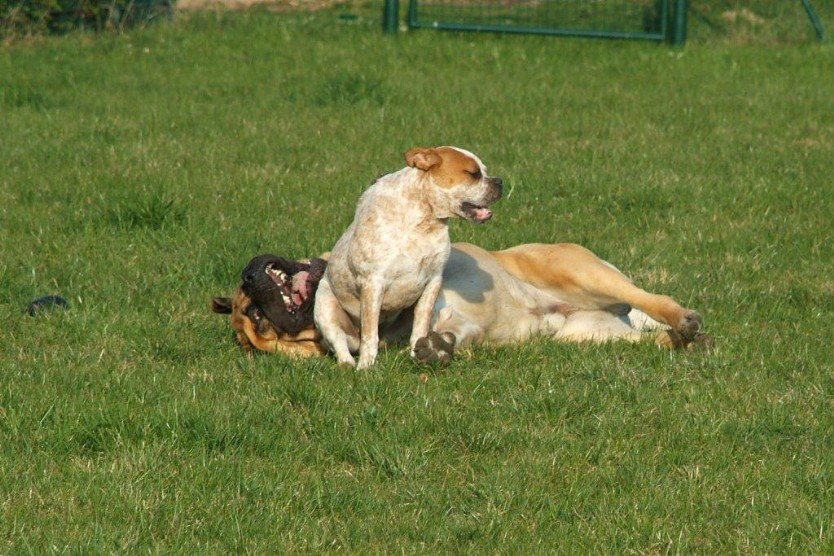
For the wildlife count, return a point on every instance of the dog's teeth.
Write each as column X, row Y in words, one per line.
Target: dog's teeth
column 277, row 275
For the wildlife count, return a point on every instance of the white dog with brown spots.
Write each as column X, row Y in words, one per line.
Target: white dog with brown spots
column 392, row 255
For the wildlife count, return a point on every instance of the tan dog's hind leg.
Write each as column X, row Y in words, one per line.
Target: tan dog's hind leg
column 580, row 278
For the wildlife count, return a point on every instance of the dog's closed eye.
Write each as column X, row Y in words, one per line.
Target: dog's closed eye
column 476, row 174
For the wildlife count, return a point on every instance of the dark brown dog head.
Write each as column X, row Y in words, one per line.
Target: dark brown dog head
column 272, row 309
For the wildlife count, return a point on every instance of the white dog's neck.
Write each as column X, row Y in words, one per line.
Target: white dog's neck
column 413, row 185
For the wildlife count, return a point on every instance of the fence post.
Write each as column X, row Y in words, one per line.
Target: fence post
column 391, row 17
column 679, row 22
column 815, row 19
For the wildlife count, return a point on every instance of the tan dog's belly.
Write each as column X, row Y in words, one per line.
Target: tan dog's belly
column 499, row 307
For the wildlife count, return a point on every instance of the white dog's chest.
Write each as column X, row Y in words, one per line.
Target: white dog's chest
column 404, row 273
column 401, row 266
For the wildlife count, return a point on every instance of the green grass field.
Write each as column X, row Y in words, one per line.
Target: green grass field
column 140, row 172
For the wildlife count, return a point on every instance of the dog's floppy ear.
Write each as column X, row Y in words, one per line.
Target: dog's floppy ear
column 424, row 159
column 222, row 305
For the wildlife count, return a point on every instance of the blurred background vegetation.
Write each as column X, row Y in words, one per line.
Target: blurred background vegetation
column 33, row 17
column 709, row 21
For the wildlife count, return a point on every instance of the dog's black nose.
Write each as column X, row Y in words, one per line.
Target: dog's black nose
column 498, row 182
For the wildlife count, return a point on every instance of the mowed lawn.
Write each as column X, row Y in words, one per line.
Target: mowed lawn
column 140, row 172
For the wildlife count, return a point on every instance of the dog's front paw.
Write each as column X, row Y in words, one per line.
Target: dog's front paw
column 365, row 362
column 690, row 325
column 434, row 348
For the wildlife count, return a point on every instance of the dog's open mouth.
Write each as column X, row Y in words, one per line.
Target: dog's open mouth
column 283, row 290
column 294, row 288
column 475, row 213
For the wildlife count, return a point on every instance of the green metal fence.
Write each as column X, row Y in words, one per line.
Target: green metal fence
column 657, row 20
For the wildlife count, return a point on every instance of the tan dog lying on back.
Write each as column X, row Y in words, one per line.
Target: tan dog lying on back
column 392, row 255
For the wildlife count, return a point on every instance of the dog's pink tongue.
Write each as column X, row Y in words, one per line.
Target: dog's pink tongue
column 482, row 214
column 299, row 287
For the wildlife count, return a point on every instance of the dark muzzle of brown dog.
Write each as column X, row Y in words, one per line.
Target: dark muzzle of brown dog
column 283, row 290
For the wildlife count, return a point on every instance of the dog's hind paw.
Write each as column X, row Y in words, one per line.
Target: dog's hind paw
column 690, row 325
column 700, row 342
column 434, row 348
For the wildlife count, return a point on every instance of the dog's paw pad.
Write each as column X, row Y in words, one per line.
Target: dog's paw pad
column 690, row 325
column 435, row 348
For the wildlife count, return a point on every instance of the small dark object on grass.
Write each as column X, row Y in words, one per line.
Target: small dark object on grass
column 46, row 302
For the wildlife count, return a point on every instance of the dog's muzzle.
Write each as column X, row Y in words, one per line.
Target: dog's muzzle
column 269, row 281
column 479, row 212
